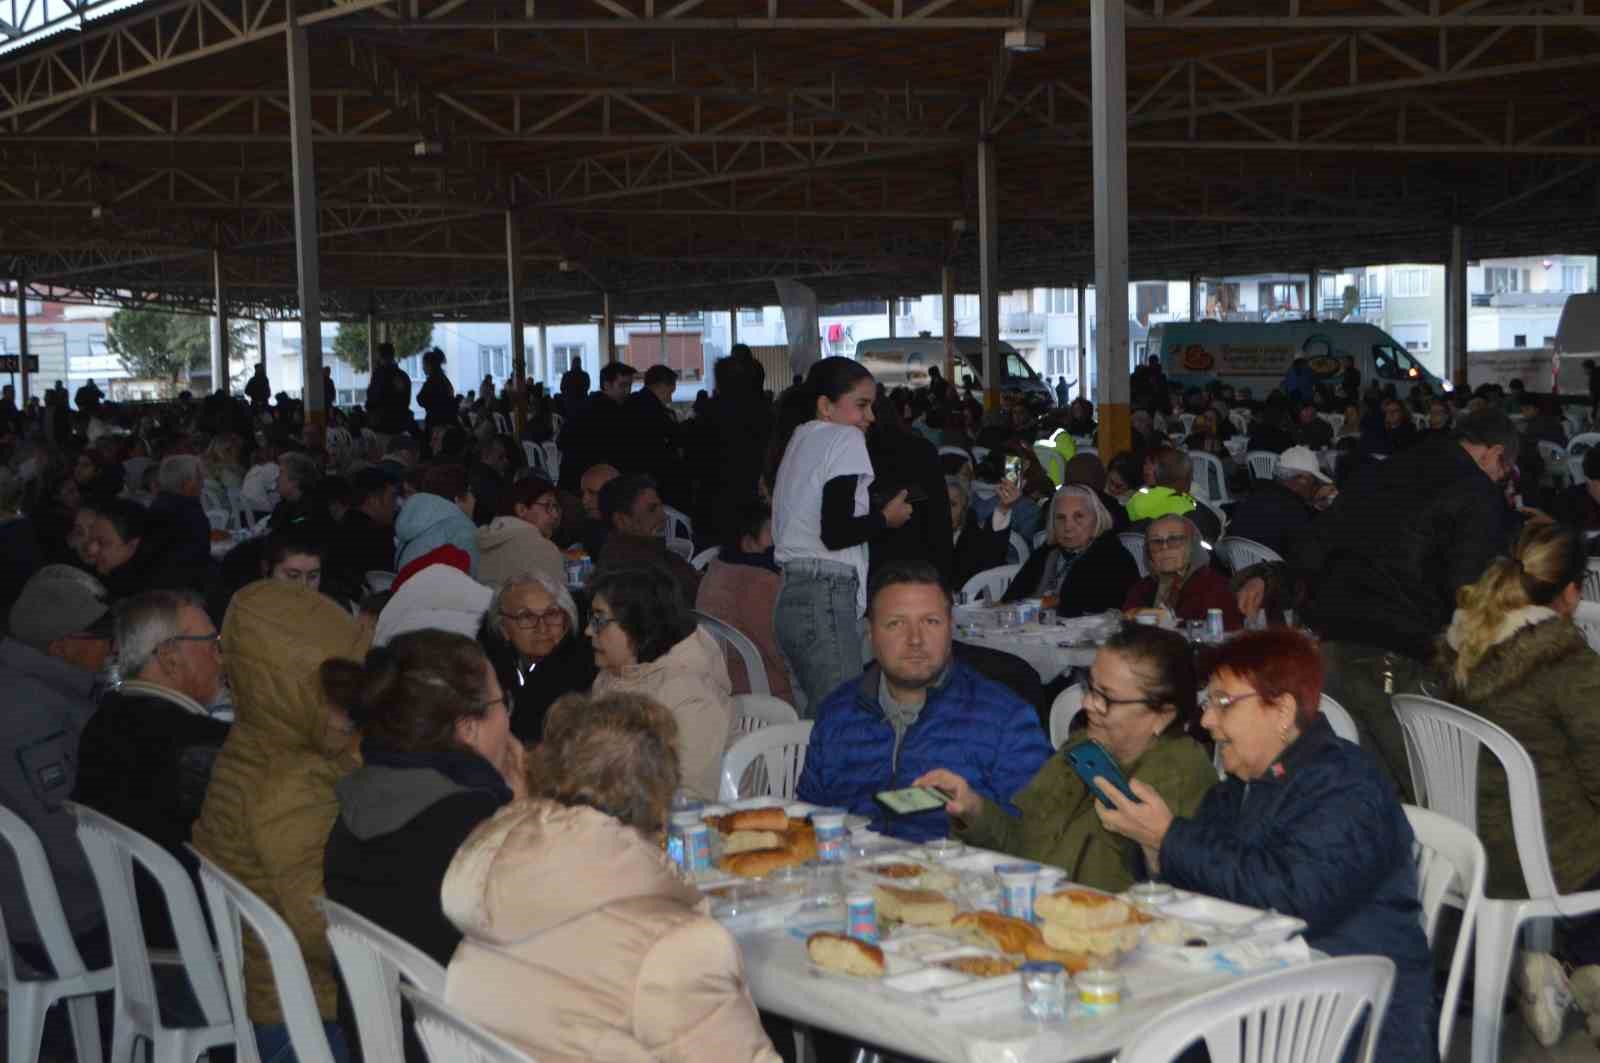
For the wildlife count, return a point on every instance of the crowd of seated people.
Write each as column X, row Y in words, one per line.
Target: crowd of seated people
column 399, row 686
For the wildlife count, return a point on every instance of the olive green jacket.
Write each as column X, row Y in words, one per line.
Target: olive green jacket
column 1058, row 825
column 1541, row 682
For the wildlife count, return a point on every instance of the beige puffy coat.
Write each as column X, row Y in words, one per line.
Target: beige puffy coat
column 584, row 943
column 270, row 804
column 510, row 546
column 691, row 680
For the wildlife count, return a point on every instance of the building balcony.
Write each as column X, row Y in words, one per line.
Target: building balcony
column 1519, row 299
column 1366, row 306
column 1022, row 323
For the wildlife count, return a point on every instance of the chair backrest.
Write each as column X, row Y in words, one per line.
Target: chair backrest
column 1263, row 464
column 991, row 583
column 1240, row 553
column 1133, row 542
column 1335, row 421
column 1442, row 743
column 782, row 750
column 730, row 637
column 1019, row 549
column 1339, row 718
column 1588, row 620
column 755, row 711
column 1591, row 581
column 1575, row 469
column 378, row 582
column 1216, row 511
column 959, row 452
column 1582, row 442
column 1063, row 711
column 1055, row 466
column 552, row 455
column 372, row 962
column 450, row 1037
column 231, row 904
column 535, row 455
column 1210, row 481
column 1240, row 419
column 1039, row 537
column 684, row 548
column 703, row 559
column 678, row 525
column 113, row 849
column 44, row 903
column 1297, row 1015
column 979, row 453
column 1552, row 453
column 1187, row 420
column 1451, row 865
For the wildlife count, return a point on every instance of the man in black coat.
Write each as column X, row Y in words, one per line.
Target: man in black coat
column 389, row 395
column 595, row 435
column 651, row 442
column 1276, row 513
column 1389, row 556
column 902, row 459
column 176, row 513
column 363, row 541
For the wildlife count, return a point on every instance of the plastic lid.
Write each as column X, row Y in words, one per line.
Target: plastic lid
column 685, row 819
column 1042, row 967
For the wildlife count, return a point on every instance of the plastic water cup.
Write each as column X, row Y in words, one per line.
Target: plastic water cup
column 831, row 835
column 1017, row 882
column 677, row 836
column 861, row 917
column 1044, row 991
column 1150, row 894
column 697, row 847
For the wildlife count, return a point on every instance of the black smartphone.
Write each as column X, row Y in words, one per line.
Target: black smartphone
column 912, row 799
column 916, row 494
column 1090, row 760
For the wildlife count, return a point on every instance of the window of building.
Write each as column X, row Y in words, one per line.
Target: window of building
column 966, row 306
column 1280, row 295
column 495, row 362
column 1056, row 360
column 1549, row 341
column 564, row 353
column 1061, row 301
column 1410, row 283
column 906, row 307
column 1498, row 279
column 1573, row 279
column 1416, row 337
column 1519, row 340
column 752, row 315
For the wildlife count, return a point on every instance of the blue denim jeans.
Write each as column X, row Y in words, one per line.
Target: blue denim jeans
column 274, row 1046
column 817, row 626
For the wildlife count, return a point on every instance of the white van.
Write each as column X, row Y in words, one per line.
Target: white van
column 1257, row 355
column 904, row 361
column 1577, row 340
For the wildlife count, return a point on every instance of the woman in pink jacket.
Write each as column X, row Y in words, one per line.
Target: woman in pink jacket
column 582, row 941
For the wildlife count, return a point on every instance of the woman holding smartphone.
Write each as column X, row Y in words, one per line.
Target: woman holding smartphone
column 822, row 521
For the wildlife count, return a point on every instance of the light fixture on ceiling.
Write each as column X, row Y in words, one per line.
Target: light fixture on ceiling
column 427, row 149
column 566, row 265
column 99, row 212
column 1024, row 40
column 958, row 225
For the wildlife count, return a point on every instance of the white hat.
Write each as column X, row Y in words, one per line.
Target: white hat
column 1300, row 459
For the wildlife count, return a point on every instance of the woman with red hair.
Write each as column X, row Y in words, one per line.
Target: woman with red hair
column 1322, row 835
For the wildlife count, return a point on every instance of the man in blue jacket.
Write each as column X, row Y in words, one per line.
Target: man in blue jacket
column 916, row 708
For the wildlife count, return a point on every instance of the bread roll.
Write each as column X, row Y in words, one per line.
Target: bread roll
column 1004, row 932
column 746, row 841
column 1102, row 941
column 914, row 907
column 773, row 819
column 1081, row 908
column 847, row 955
column 1074, row 962
column 760, row 862
column 801, row 839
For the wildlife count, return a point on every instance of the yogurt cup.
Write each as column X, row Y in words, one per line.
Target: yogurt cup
column 1016, row 889
column 1099, row 990
column 831, row 835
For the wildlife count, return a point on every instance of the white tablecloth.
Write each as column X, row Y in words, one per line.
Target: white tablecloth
column 1037, row 645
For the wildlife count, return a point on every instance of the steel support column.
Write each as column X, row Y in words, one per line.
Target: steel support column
column 663, row 322
column 552, row 372
column 372, row 332
column 1455, row 311
column 1194, row 297
column 1083, row 343
column 1313, row 294
column 947, row 304
column 608, row 331
column 261, row 341
column 733, row 327
column 1108, row 64
column 305, row 223
column 22, row 346
column 519, row 349
column 989, row 261
column 220, row 355
column 891, row 307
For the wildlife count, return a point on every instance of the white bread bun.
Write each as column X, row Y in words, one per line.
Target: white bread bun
column 746, row 841
column 1084, row 909
column 847, row 955
column 773, row 819
column 1102, row 941
column 914, row 907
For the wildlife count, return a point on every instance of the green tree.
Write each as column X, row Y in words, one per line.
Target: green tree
column 408, row 337
column 155, row 345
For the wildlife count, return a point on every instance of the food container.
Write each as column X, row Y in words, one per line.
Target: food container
column 1045, row 883
column 831, row 835
column 677, row 830
column 1044, row 991
column 1027, row 611
column 861, row 916
column 1151, row 894
column 696, row 846
column 941, row 849
column 1099, row 990
column 1214, row 624
column 1017, row 883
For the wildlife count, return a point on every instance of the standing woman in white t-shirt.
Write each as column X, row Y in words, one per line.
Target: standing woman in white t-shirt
column 821, row 522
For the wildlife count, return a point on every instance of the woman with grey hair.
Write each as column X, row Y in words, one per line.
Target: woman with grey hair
column 533, row 635
column 1182, row 580
column 1082, row 563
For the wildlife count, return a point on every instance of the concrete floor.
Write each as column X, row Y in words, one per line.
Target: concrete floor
column 1518, row 1046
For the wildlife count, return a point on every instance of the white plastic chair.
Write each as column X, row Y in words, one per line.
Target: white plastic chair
column 1089, row 450
column 1335, row 421
column 1063, row 711
column 535, row 455
column 1210, row 481
column 960, row 452
column 1241, row 420
column 1588, row 620
column 1040, row 537
column 1575, row 469
column 730, row 637
column 1555, row 459
column 756, row 711
column 113, row 849
column 1055, row 466
column 1339, row 718
column 1582, row 442
column 1263, row 464
column 377, row 582
column 1451, row 865
column 1019, row 547
column 450, row 1037
column 682, row 547
column 1187, row 420
column 29, row 996
column 703, row 559
column 979, row 453
column 1222, row 519
column 1133, row 542
column 991, row 583
column 781, row 749
column 1442, row 742
column 1298, row 1015
column 678, row 524
column 1240, row 553
column 1591, row 581
column 552, row 458
column 372, row 961
column 231, row 902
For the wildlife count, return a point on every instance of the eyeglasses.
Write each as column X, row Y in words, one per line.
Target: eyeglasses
column 550, row 618
column 551, row 506
column 1219, row 702
column 1090, row 690
column 598, row 622
column 1168, row 542
column 214, row 639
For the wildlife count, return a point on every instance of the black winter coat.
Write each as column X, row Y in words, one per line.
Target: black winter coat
column 902, row 459
column 979, row 547
column 1099, row 581
column 1399, row 541
column 1273, row 516
column 1324, row 838
column 570, row 669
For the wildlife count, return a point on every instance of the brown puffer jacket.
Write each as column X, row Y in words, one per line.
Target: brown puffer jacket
column 584, row 944
column 1541, row 682
column 270, row 804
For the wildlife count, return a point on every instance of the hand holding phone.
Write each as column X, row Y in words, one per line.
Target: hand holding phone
column 912, row 799
column 1091, row 761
